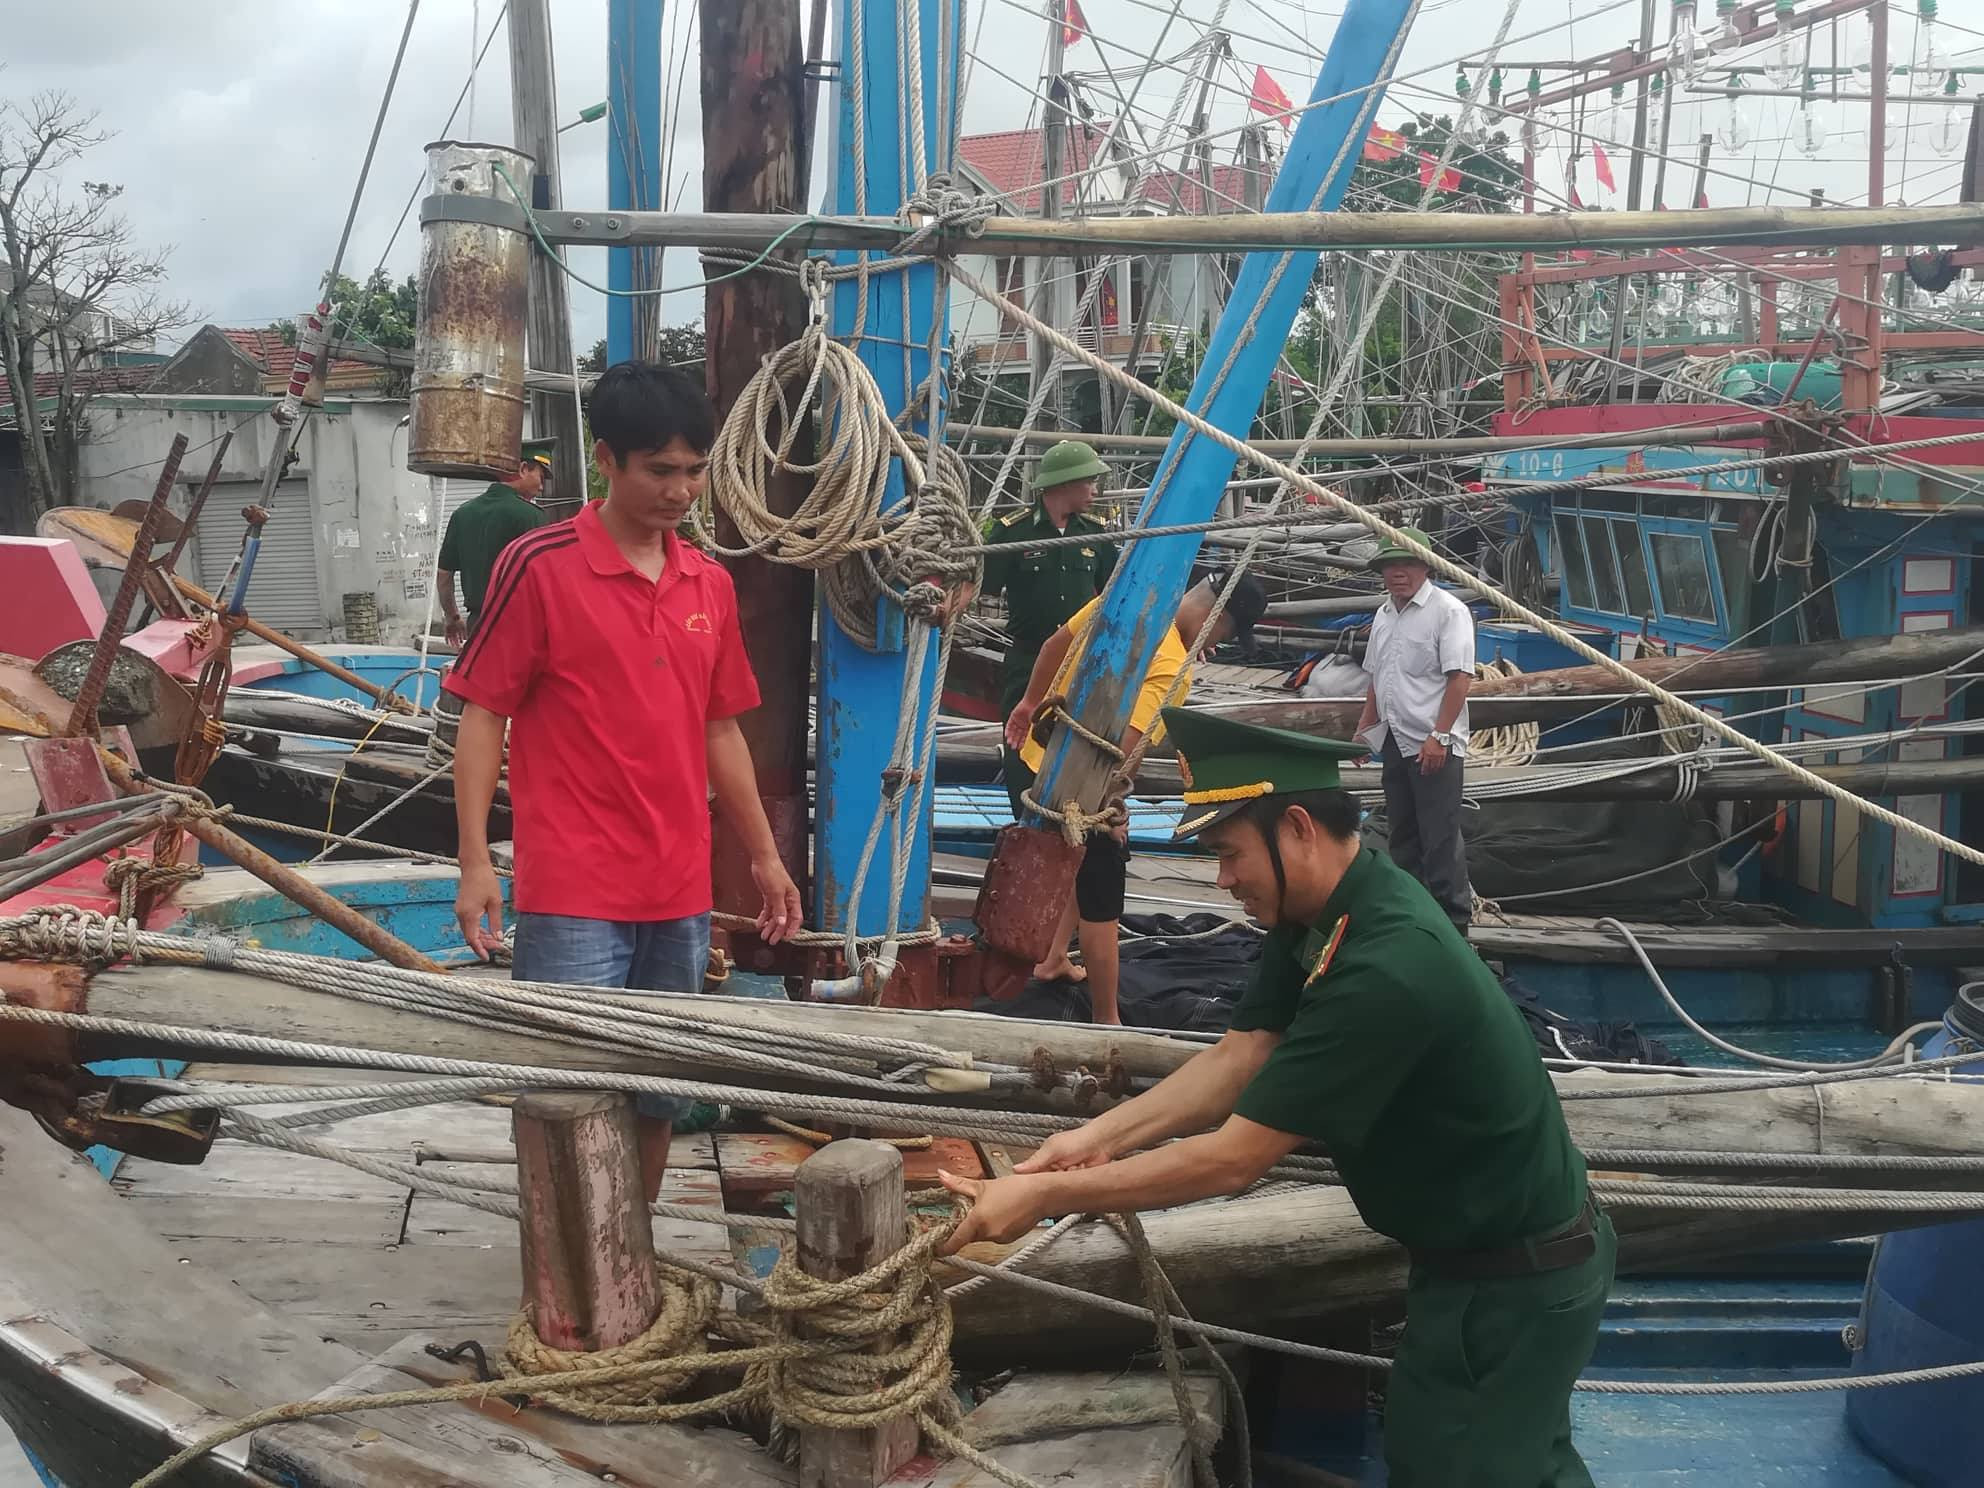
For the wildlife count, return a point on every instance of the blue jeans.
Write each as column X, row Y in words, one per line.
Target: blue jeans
column 636, row 956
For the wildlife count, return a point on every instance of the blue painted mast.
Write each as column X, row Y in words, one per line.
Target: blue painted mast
column 1144, row 593
column 633, row 148
column 861, row 691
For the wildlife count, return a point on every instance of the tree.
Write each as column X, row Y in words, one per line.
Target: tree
column 74, row 287
column 378, row 311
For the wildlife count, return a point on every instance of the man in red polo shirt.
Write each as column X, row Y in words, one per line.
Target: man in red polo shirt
column 611, row 647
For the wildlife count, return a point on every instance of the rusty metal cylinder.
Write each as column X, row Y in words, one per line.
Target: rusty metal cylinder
column 468, row 350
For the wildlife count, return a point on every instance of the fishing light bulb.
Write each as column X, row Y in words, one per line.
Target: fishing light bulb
column 1733, row 131
column 1809, row 133
column 1784, row 63
column 1932, row 65
column 1468, row 130
column 1952, row 125
column 1687, row 52
column 1726, row 33
column 1611, row 121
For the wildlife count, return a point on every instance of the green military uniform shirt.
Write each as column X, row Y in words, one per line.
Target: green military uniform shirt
column 1401, row 1054
column 1043, row 586
column 477, row 534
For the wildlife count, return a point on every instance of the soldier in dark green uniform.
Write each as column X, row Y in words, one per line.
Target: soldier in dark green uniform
column 481, row 528
column 1044, row 586
column 1373, row 1029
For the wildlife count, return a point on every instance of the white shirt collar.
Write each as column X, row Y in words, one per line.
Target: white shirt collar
column 1420, row 597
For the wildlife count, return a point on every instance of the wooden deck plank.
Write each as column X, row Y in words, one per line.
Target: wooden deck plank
column 433, row 1446
column 1148, row 1456
column 357, row 1220
column 236, row 1170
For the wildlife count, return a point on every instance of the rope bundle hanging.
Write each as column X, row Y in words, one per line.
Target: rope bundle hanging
column 910, row 551
column 1511, row 744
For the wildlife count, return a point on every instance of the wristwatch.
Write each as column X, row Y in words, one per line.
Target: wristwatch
column 1445, row 741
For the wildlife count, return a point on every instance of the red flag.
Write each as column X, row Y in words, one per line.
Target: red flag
column 1383, row 144
column 1571, row 194
column 1449, row 178
column 1701, row 199
column 1267, row 97
column 1074, row 25
column 1602, row 168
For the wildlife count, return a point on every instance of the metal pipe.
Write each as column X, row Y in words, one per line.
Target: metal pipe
column 82, row 718
column 1467, row 444
column 35, row 869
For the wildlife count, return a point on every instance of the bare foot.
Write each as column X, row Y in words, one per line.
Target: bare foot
column 1060, row 969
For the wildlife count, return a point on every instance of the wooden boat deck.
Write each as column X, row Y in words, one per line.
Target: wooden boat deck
column 369, row 1264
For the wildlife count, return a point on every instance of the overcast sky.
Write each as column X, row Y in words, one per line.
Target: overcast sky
column 239, row 124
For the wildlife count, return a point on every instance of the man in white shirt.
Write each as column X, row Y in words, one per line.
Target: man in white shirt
column 1421, row 661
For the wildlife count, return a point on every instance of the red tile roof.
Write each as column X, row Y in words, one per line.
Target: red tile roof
column 268, row 351
column 100, row 380
column 1011, row 161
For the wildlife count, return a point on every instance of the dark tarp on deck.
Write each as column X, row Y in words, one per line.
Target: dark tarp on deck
column 1190, row 986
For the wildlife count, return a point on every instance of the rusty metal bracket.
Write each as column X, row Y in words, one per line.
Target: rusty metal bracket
column 82, row 1110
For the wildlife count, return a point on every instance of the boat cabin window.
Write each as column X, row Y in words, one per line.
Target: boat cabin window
column 1604, row 567
column 1632, row 568
column 1732, row 557
column 1570, row 561
column 1680, row 560
column 1682, row 508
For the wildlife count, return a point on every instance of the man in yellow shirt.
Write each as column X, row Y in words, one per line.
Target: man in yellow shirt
column 1097, row 905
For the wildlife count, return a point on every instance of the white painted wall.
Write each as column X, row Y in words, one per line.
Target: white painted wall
column 371, row 515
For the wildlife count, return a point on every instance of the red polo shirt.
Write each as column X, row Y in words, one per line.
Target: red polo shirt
column 608, row 680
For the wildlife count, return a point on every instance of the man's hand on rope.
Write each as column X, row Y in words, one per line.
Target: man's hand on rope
column 1002, row 1209
column 455, row 631
column 480, row 899
column 782, row 914
column 1079, row 1148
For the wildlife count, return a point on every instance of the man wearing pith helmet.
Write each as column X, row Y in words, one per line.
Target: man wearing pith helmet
column 1373, row 1030
column 1045, row 584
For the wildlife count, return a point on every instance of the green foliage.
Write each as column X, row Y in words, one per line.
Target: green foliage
column 379, row 311
column 1490, row 181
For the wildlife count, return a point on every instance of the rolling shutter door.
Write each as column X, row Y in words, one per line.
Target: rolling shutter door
column 283, row 591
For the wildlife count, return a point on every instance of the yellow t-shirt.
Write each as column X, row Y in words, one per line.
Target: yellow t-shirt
column 1164, row 669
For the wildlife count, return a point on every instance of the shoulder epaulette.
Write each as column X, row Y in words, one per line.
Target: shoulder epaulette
column 1016, row 518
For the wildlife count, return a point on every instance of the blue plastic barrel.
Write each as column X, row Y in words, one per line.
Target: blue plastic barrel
column 1924, row 1308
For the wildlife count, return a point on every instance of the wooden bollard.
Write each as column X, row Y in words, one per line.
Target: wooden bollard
column 588, row 1244
column 850, row 1211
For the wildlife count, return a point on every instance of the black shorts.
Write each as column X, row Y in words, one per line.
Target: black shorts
column 1104, row 874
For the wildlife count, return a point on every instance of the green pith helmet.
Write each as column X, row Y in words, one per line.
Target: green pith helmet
column 1070, row 460
column 1227, row 763
column 1389, row 551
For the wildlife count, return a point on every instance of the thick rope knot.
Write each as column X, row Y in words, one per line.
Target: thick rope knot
column 1074, row 821
column 944, row 211
column 678, row 1336
column 836, row 1381
column 63, row 932
column 128, row 877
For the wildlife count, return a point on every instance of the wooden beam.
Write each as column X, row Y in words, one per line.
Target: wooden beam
column 754, row 118
column 1960, row 223
column 554, row 413
column 588, row 1245
column 849, row 1201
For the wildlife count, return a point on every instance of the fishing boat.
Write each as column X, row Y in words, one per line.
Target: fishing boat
column 269, row 1139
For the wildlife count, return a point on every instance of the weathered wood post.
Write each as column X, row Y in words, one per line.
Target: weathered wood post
column 588, row 1246
column 849, row 1197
